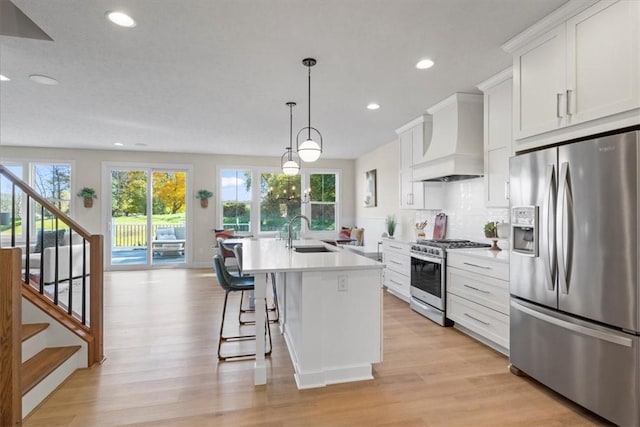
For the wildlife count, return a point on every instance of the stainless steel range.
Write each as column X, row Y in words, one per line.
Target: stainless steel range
column 428, row 276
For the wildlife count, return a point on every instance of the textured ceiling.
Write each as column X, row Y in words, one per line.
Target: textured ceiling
column 212, row 76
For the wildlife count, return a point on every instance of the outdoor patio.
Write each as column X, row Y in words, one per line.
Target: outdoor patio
column 138, row 255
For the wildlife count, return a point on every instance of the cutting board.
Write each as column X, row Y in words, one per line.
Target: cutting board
column 439, row 227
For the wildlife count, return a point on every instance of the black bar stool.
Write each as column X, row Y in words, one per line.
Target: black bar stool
column 237, row 250
column 235, row 284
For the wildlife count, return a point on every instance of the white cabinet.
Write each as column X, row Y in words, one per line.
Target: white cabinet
column 478, row 297
column 397, row 273
column 497, row 137
column 414, row 139
column 576, row 71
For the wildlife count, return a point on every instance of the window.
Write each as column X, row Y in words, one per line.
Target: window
column 323, row 201
column 53, row 182
column 235, row 197
column 279, row 200
column 275, row 198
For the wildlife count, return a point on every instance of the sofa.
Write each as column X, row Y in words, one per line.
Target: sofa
column 169, row 241
column 43, row 252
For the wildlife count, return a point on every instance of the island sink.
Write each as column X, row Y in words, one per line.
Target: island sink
column 311, row 249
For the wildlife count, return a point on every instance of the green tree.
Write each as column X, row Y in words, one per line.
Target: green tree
column 128, row 193
column 280, row 200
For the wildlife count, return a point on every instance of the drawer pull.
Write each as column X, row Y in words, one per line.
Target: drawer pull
column 395, row 262
column 397, row 283
column 476, row 289
column 477, row 320
column 395, row 247
column 477, row 266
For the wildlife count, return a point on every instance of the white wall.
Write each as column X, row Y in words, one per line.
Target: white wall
column 86, row 172
column 463, row 202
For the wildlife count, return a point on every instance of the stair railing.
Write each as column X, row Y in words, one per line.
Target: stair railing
column 61, row 263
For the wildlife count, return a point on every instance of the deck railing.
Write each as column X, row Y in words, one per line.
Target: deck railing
column 135, row 235
column 62, row 263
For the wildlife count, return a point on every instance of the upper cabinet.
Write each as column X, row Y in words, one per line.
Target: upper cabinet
column 497, row 137
column 414, row 139
column 576, row 72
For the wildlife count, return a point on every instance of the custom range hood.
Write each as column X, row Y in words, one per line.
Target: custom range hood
column 456, row 148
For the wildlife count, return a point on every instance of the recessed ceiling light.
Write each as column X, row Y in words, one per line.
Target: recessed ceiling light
column 424, row 64
column 121, row 19
column 373, row 106
column 118, row 144
column 43, row 80
column 4, row 78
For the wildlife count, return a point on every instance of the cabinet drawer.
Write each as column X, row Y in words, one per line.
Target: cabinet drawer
column 397, row 283
column 488, row 323
column 487, row 267
column 398, row 262
column 487, row 291
column 397, row 247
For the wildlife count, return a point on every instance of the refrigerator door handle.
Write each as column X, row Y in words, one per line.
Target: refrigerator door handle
column 594, row 333
column 563, row 246
column 549, row 254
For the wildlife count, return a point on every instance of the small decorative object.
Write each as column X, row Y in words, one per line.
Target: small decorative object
column 420, row 227
column 491, row 232
column 391, row 223
column 87, row 194
column 204, row 195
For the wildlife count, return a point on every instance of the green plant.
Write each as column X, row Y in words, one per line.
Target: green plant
column 391, row 223
column 87, row 193
column 204, row 194
column 490, row 229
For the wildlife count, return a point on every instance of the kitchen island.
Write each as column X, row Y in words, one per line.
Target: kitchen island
column 330, row 309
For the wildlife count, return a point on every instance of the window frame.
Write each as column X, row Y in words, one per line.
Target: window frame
column 305, row 178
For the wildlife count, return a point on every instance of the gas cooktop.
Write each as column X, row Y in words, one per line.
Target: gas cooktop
column 438, row 247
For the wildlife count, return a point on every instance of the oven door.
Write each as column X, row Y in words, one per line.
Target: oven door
column 427, row 280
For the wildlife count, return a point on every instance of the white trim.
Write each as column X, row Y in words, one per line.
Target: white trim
column 496, row 79
column 557, row 17
column 456, row 98
column 412, row 124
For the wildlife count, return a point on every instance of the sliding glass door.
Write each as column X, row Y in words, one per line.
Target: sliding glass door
column 147, row 224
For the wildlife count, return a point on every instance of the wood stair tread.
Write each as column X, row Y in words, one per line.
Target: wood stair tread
column 42, row 364
column 31, row 329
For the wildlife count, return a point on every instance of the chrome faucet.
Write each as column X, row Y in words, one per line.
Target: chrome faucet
column 289, row 239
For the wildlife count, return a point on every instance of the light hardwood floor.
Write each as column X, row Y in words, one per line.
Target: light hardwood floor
column 161, row 370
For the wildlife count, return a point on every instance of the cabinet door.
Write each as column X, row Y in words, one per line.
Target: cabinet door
column 497, row 142
column 406, row 150
column 406, row 189
column 417, row 143
column 603, row 54
column 539, row 85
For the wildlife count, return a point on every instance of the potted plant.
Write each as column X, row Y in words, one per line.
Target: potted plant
column 87, row 194
column 490, row 230
column 391, row 223
column 204, row 195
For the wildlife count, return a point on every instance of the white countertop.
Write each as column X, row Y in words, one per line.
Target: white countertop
column 484, row 253
column 271, row 255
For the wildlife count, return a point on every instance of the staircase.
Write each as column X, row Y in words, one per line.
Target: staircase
column 43, row 368
column 51, row 304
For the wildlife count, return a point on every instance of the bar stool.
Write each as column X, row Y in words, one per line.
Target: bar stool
column 237, row 250
column 235, row 284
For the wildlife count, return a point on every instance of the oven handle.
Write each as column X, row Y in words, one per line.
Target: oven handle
column 427, row 258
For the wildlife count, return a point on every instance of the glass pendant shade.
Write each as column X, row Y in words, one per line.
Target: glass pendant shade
column 309, row 151
column 290, row 167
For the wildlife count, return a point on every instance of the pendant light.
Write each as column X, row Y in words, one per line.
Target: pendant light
column 289, row 165
column 309, row 150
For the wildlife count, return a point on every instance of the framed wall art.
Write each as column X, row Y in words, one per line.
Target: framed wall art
column 370, row 195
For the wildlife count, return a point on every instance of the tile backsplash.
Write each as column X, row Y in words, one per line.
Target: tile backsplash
column 465, row 210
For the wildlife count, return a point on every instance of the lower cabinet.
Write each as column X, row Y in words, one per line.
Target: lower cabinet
column 478, row 298
column 397, row 259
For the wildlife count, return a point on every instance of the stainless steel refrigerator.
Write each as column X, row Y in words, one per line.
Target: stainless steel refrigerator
column 574, row 317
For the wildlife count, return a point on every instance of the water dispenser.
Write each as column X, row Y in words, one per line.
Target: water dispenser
column 524, row 226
